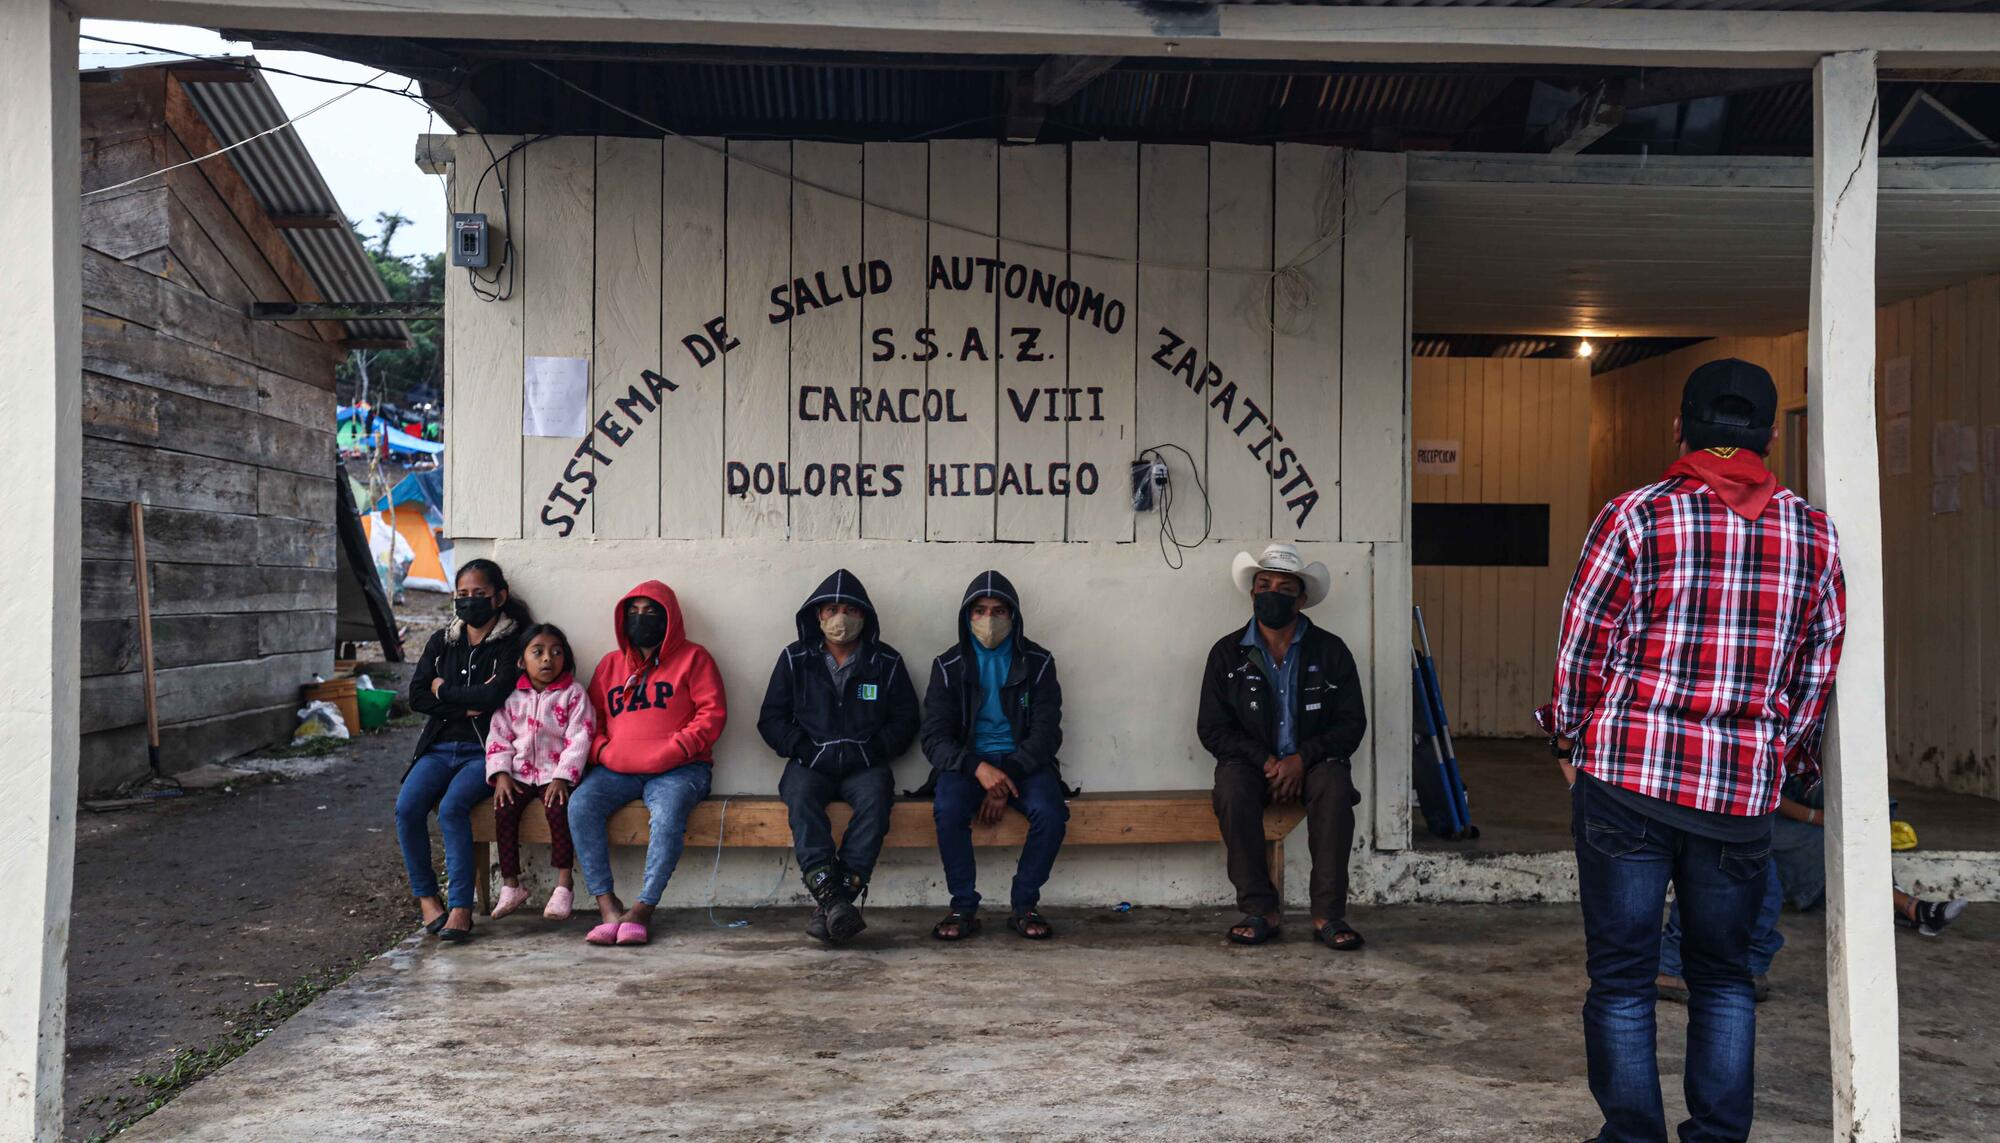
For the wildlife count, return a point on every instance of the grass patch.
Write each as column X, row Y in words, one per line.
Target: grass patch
column 402, row 721
column 318, row 746
column 190, row 1065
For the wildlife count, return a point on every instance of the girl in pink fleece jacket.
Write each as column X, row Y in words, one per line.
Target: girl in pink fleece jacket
column 535, row 751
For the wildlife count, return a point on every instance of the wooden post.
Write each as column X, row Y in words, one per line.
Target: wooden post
column 40, row 401
column 1844, row 478
column 142, row 580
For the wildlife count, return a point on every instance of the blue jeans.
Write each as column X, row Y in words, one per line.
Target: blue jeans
column 451, row 779
column 869, row 793
column 1624, row 862
column 1041, row 802
column 1765, row 939
column 669, row 798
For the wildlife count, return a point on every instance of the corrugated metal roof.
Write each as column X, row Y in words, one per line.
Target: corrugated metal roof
column 282, row 175
column 1681, row 5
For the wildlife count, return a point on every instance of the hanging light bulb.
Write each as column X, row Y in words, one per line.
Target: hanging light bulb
column 1583, row 348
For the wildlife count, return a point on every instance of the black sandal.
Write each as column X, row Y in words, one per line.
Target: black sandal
column 1020, row 922
column 1338, row 936
column 1261, row 930
column 456, row 936
column 436, row 924
column 968, row 926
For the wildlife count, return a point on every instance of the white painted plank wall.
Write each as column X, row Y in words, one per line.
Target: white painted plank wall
column 1306, row 324
column 1104, row 250
column 964, row 179
column 896, row 179
column 1033, row 212
column 757, row 374
column 627, row 289
column 1173, row 294
column 826, row 342
column 670, row 238
column 1239, row 337
column 1373, row 349
column 693, row 271
column 483, row 405
column 555, row 203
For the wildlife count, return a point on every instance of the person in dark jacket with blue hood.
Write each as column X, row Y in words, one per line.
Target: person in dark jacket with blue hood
column 839, row 708
column 992, row 726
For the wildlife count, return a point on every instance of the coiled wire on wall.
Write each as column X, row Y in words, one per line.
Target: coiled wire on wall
column 1172, row 548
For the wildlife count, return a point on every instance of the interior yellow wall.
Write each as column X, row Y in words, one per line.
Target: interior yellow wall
column 1939, row 573
column 1522, row 427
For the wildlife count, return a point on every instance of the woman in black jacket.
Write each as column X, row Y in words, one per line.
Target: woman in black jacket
column 466, row 672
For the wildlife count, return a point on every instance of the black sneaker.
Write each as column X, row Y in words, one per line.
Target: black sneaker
column 843, row 922
column 1933, row 916
column 816, row 927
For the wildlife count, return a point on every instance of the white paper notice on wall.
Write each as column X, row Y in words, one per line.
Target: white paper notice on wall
column 555, row 397
column 1945, row 440
column 1944, row 496
column 1437, row 458
column 1896, row 447
column 1968, row 449
column 1896, row 386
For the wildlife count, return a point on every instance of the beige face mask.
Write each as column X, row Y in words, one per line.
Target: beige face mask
column 992, row 630
column 841, row 627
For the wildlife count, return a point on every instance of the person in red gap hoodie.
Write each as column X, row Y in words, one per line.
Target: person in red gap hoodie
column 660, row 708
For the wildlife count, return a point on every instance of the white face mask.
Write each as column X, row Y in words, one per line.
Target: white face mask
column 992, row 630
column 841, row 627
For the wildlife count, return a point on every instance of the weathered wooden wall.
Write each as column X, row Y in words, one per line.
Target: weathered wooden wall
column 220, row 425
column 1522, row 428
column 1940, row 508
column 644, row 257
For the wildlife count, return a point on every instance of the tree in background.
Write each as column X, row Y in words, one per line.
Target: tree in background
column 400, row 376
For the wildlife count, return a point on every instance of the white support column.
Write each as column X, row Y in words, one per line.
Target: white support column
column 1860, row 941
column 40, row 381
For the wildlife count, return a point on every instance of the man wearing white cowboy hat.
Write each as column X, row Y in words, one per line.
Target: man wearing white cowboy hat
column 1281, row 710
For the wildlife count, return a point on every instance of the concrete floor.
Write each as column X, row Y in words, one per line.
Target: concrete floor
column 1456, row 1023
column 1520, row 806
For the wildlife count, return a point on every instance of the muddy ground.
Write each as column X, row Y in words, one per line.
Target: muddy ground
column 188, row 913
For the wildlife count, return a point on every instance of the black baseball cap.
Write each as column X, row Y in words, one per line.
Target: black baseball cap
column 1730, row 398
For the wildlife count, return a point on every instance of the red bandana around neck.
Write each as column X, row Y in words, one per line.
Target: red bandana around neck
column 1737, row 475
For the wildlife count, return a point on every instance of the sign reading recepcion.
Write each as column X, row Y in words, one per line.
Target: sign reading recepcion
column 1437, row 458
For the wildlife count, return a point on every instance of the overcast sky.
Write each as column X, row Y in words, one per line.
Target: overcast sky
column 362, row 144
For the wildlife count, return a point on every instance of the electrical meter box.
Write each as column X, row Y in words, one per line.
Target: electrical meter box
column 469, row 241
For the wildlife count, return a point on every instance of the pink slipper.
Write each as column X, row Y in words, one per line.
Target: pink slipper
column 512, row 897
column 604, row 934
column 631, row 934
column 559, row 904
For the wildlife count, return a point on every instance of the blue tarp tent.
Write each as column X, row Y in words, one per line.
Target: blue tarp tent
column 399, row 441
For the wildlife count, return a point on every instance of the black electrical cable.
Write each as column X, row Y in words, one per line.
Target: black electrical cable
column 244, row 63
column 1177, row 557
column 506, row 266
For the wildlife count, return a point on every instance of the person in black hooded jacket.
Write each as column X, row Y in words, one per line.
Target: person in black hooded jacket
column 839, row 708
column 992, row 726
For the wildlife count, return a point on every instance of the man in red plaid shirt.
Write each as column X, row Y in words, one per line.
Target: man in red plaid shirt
column 1699, row 642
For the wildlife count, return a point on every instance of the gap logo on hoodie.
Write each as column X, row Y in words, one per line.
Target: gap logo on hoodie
column 634, row 696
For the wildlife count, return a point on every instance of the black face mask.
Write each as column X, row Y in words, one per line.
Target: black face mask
column 1274, row 609
column 475, row 610
column 646, row 629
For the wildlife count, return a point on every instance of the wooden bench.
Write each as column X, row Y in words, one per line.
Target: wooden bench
column 759, row 821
